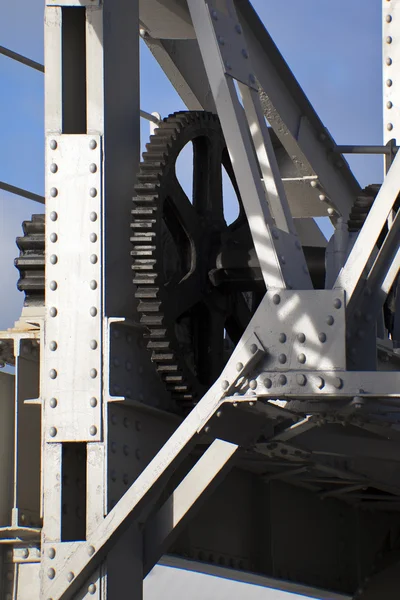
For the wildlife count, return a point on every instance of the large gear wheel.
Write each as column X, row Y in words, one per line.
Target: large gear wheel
column 190, row 322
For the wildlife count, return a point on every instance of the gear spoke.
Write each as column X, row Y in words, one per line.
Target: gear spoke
column 207, row 178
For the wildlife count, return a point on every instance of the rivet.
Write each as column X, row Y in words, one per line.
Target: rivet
column 238, row 28
column 282, row 380
column 25, row 553
column 253, row 384
column 322, row 197
column 275, row 234
column 276, row 298
column 320, row 382
column 53, row 216
column 282, row 338
column 125, row 479
column 53, row 311
column 93, row 259
column 389, row 61
column 331, row 211
column 51, row 573
column 126, row 422
column 138, row 426
column 93, row 430
column 93, row 373
column 116, row 362
column 337, row 303
column 93, row 238
column 389, row 126
column 239, row 366
column 268, row 382
column 93, row 168
column 221, row 40
column 53, row 145
column 301, row 358
column 113, row 447
column 388, row 18
column 53, row 259
column 338, row 383
column 207, row 429
column 219, row 414
column 93, row 344
column 53, row 168
column 91, row 550
column 128, row 366
column 51, row 552
column 125, row 450
column 93, row 216
column 389, row 104
column 53, row 374
column 214, row 15
column 53, row 286
column 92, row 588
column 252, row 79
column 301, row 338
column 93, row 402
column 93, row 311
column 301, row 379
column 322, row 337
column 245, row 54
column 225, row 384
column 368, row 317
column 53, row 346
column 298, row 245
column 228, row 66
column 360, row 334
column 93, row 192
column 253, row 348
column 330, row 320
column 282, row 358
column 92, row 144
column 53, row 432
column 138, row 454
column 70, row 576
column 53, row 402
column 389, row 39
column 53, row 237
column 93, row 284
column 54, row 192
column 113, row 475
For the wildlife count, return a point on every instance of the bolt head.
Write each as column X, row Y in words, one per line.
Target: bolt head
column 282, row 358
column 276, row 298
column 51, row 573
column 225, row 384
column 322, row 337
column 282, row 338
column 268, row 382
column 337, row 303
column 253, row 348
column 53, row 432
column 282, row 380
column 301, row 358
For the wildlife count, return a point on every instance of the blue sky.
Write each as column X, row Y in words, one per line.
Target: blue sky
column 333, row 48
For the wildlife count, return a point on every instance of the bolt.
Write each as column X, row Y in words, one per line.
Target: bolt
column 320, row 382
column 93, row 373
column 282, row 338
column 389, row 61
column 238, row 28
column 51, row 573
column 275, row 234
column 301, row 337
column 93, row 168
column 93, row 284
column 214, row 15
column 93, row 402
column 276, row 298
column 338, row 383
column 53, row 216
column 221, row 40
column 93, row 311
column 93, row 238
column 53, row 144
column 301, row 379
column 282, row 380
column 388, row 18
column 92, row 144
column 53, row 259
column 337, row 303
column 225, row 384
column 91, row 550
column 322, row 337
column 389, row 104
column 70, row 576
column 53, row 311
column 245, row 54
column 301, row 358
column 53, row 237
column 54, row 192
column 207, row 429
column 53, row 432
column 268, row 382
column 389, row 126
column 219, row 413
column 53, row 168
column 93, row 259
column 253, row 348
column 252, row 79
column 53, row 374
column 282, row 358
column 93, row 216
column 93, row 430
column 228, row 66
column 51, row 552
column 53, row 402
column 322, row 197
column 389, row 39
column 239, row 366
column 253, row 384
column 93, row 344
column 330, row 320
column 93, row 192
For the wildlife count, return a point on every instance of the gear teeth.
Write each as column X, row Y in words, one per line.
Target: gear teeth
column 31, row 261
column 145, row 218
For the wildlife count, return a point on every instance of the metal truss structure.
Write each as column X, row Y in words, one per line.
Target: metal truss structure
column 274, row 458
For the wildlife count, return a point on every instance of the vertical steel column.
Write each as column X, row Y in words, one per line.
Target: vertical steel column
column 92, row 153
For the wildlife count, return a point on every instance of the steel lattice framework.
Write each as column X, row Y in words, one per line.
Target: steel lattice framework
column 106, row 466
